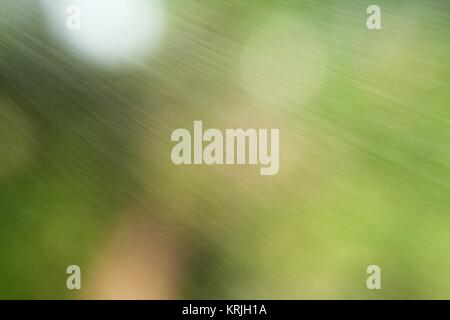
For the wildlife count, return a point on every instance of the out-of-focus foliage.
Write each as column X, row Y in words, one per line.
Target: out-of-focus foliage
column 364, row 119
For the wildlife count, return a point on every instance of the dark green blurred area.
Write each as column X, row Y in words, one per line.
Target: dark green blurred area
column 364, row 120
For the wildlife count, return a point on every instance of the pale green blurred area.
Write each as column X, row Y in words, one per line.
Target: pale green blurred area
column 364, row 119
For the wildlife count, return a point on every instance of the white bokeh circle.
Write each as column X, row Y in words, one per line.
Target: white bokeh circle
column 112, row 32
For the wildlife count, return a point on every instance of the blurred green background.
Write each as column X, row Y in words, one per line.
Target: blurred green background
column 85, row 170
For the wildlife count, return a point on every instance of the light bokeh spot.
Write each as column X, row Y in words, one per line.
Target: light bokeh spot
column 284, row 63
column 113, row 32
